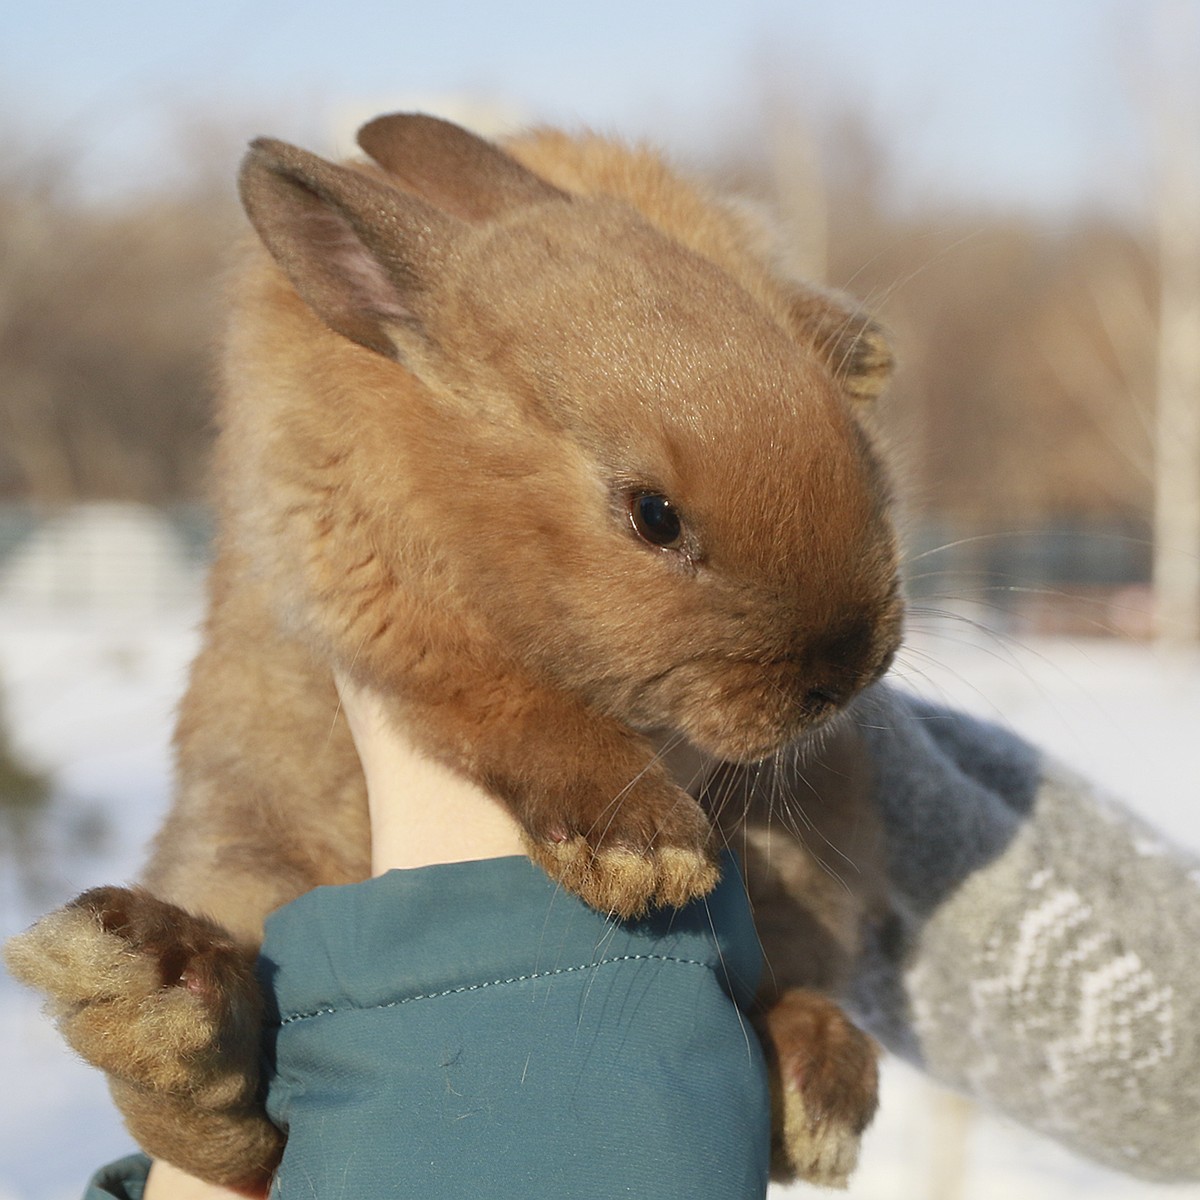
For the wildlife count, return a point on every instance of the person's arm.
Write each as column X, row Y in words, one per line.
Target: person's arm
column 1041, row 953
column 470, row 1027
column 166, row 1182
column 421, row 814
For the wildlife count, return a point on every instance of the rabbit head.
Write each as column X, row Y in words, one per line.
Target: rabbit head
column 636, row 468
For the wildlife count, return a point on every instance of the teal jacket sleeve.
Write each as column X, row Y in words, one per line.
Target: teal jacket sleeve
column 124, row 1179
column 472, row 1029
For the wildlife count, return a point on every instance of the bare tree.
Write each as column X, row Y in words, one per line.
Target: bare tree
column 107, row 318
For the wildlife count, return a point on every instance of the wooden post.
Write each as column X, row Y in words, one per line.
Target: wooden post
column 1177, row 460
column 799, row 192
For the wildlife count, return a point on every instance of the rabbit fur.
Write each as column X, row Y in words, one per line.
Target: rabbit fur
column 535, row 440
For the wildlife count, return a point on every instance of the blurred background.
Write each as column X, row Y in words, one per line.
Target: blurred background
column 1014, row 189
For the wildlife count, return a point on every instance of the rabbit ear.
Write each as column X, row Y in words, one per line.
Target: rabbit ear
column 850, row 343
column 451, row 168
column 360, row 253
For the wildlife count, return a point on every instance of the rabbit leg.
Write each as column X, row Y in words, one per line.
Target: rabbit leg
column 824, row 1083
column 618, row 832
column 169, row 1006
column 600, row 813
column 622, row 837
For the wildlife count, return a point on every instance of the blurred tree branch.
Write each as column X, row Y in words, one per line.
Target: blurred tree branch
column 106, row 325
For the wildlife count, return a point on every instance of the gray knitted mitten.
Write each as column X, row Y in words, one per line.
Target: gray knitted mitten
column 1044, row 951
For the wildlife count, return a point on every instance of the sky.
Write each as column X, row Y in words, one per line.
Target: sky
column 1029, row 102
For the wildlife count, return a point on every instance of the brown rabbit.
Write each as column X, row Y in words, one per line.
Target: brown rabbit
column 535, row 441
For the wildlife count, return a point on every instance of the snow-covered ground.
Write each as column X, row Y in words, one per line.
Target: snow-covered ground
column 89, row 696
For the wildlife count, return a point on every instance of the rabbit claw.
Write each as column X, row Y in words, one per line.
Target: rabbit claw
column 623, row 881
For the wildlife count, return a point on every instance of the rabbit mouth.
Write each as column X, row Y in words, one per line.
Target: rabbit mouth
column 756, row 709
column 746, row 749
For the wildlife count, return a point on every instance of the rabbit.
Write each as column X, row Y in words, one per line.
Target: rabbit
column 535, row 440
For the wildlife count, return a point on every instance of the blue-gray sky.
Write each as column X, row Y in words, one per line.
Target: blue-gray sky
column 1026, row 101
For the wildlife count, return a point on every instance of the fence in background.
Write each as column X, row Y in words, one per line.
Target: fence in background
column 105, row 555
column 1079, row 579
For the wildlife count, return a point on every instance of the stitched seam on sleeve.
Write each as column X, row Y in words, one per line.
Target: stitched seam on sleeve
column 291, row 1018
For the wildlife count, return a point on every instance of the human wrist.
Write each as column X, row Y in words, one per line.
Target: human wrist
column 167, row 1182
column 422, row 813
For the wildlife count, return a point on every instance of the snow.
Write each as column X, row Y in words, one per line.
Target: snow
column 89, row 696
column 102, row 555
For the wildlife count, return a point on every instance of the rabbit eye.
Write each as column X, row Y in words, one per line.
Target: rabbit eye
column 655, row 520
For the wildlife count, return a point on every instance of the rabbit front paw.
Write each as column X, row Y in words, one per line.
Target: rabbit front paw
column 651, row 846
column 825, row 1085
column 168, row 1005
